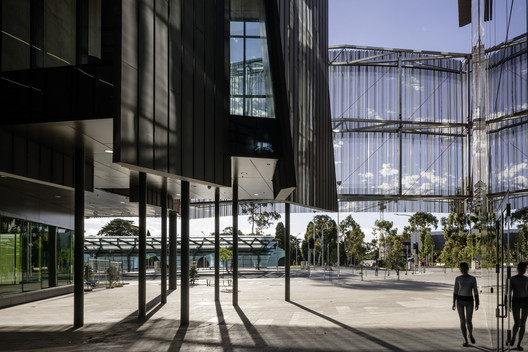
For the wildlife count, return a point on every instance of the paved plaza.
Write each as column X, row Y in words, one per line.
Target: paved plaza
column 379, row 313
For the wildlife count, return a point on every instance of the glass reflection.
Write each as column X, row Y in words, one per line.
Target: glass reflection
column 25, row 253
column 250, row 76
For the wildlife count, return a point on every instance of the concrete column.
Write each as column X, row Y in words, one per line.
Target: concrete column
column 217, row 244
column 164, row 243
column 173, row 248
column 52, row 256
column 185, row 194
column 235, row 242
column 78, row 266
column 142, row 250
column 287, row 254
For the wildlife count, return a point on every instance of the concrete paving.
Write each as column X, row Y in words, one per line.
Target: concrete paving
column 377, row 314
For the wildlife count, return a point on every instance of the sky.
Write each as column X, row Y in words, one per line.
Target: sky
column 402, row 24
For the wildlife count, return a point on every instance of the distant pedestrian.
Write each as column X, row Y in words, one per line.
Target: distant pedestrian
column 465, row 296
column 519, row 303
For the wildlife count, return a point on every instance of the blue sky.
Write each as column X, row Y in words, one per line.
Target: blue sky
column 402, row 24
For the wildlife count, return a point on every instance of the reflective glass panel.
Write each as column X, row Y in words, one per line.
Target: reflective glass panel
column 250, row 73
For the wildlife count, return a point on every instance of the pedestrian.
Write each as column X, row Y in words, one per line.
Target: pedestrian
column 519, row 303
column 465, row 296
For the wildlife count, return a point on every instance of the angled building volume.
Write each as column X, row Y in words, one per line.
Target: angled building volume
column 143, row 107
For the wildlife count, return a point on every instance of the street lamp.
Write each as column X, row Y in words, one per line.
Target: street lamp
column 339, row 183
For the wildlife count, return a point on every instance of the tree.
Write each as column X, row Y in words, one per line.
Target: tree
column 354, row 239
column 228, row 231
column 385, row 233
column 279, row 234
column 257, row 218
column 456, row 226
column 422, row 223
column 279, row 237
column 119, row 227
column 521, row 241
column 325, row 234
column 193, row 273
column 112, row 275
column 225, row 255
column 395, row 260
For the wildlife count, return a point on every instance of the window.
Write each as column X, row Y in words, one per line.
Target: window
column 250, row 76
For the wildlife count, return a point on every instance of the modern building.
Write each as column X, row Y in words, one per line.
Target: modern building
column 437, row 131
column 113, row 108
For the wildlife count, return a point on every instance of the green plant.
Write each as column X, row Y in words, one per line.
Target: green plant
column 193, row 273
column 225, row 255
column 112, row 274
column 88, row 271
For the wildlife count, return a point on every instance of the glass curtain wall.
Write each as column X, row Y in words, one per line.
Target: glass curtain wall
column 501, row 34
column 400, row 126
column 24, row 256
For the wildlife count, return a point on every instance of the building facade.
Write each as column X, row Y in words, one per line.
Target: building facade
column 123, row 102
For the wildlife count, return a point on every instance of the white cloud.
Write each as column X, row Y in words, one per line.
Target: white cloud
column 367, row 175
column 373, row 114
column 388, row 170
column 511, row 174
column 415, row 84
column 387, row 187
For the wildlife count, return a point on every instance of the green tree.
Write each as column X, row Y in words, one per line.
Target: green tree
column 394, row 256
column 119, row 227
column 386, row 234
column 228, row 231
column 225, row 255
column 520, row 217
column 456, row 226
column 193, row 273
column 112, row 275
column 422, row 223
column 354, row 239
column 325, row 235
column 279, row 237
column 279, row 234
column 259, row 219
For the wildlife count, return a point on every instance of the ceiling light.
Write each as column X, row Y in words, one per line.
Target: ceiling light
column 336, row 130
column 243, row 173
column 58, row 196
column 255, row 194
column 109, row 151
column 122, row 202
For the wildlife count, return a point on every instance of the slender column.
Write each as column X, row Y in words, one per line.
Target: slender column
column 217, row 244
column 78, row 280
column 164, row 243
column 235, row 242
column 400, row 154
column 52, row 256
column 173, row 246
column 184, row 316
column 287, row 254
column 142, row 279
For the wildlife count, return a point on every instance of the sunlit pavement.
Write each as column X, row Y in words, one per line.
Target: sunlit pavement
column 378, row 313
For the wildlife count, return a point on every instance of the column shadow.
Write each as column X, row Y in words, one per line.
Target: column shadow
column 177, row 341
column 369, row 337
column 255, row 336
column 224, row 333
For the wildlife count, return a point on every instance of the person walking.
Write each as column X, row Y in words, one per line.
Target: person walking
column 463, row 301
column 519, row 303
